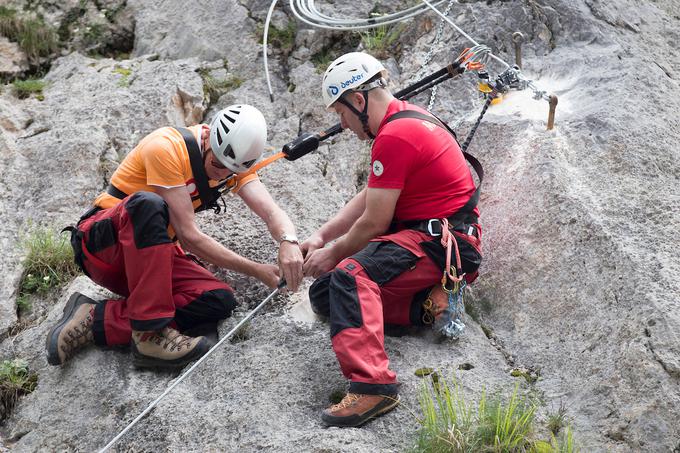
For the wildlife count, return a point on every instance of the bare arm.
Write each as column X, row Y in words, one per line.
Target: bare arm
column 258, row 199
column 374, row 221
column 195, row 241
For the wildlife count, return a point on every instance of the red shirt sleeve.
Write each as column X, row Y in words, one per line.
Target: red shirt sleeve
column 391, row 159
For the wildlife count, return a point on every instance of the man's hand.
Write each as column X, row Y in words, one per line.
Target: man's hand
column 268, row 274
column 311, row 243
column 290, row 264
column 319, row 262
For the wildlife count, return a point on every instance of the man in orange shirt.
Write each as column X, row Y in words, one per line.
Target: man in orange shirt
column 127, row 243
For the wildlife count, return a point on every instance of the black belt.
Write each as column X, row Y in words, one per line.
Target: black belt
column 433, row 227
column 115, row 192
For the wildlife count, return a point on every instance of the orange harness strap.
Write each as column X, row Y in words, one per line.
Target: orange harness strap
column 232, row 184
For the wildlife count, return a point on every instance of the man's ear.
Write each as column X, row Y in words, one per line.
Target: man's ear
column 359, row 100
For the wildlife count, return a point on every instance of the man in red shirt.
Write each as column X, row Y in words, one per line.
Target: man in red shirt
column 388, row 251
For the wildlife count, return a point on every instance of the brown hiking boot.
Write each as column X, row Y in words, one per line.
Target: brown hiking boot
column 166, row 348
column 356, row 409
column 73, row 331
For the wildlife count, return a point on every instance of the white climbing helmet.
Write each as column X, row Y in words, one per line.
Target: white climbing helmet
column 350, row 72
column 237, row 136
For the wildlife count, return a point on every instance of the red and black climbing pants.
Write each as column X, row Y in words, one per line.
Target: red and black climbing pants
column 385, row 283
column 127, row 250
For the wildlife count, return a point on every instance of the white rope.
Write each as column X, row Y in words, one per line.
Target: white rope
column 307, row 12
column 264, row 48
column 189, row 371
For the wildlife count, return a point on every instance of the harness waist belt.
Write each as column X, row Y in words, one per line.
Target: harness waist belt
column 115, row 192
column 433, row 227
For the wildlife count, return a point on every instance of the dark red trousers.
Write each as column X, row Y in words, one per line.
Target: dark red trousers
column 385, row 283
column 127, row 250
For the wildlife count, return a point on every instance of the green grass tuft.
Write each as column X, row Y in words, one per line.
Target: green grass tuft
column 450, row 424
column 36, row 38
column 381, row 42
column 280, row 38
column 15, row 380
column 557, row 420
column 48, row 263
column 213, row 87
column 322, row 59
column 25, row 88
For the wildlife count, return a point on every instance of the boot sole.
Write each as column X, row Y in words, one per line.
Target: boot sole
column 143, row 361
column 358, row 420
column 52, row 342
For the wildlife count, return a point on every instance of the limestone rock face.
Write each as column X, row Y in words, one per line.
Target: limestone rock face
column 581, row 271
column 12, row 59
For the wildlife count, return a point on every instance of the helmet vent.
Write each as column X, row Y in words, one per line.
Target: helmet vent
column 235, row 112
column 219, row 138
column 247, row 164
column 230, row 119
column 225, row 127
column 229, row 152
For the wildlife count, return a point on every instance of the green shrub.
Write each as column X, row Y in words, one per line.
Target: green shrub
column 36, row 38
column 15, row 380
column 451, row 424
column 48, row 263
column 25, row 88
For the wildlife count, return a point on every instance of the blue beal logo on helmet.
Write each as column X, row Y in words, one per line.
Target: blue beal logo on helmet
column 355, row 78
column 332, row 90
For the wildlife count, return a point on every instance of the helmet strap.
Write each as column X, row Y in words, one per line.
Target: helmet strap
column 363, row 115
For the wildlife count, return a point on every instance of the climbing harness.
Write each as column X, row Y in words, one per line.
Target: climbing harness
column 281, row 285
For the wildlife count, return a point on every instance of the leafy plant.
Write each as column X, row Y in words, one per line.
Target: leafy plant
column 25, row 88
column 15, row 380
column 36, row 38
column 48, row 263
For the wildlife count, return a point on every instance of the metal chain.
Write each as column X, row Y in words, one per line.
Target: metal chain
column 430, row 53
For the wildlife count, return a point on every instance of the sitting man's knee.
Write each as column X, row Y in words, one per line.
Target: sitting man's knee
column 319, row 297
column 225, row 302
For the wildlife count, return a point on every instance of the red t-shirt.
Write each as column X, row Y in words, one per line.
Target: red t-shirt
column 424, row 161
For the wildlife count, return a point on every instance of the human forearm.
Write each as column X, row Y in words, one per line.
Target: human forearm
column 213, row 252
column 363, row 230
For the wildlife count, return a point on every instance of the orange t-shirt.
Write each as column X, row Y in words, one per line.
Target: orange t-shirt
column 160, row 159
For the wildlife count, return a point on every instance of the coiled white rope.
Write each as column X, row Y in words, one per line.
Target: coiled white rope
column 306, row 12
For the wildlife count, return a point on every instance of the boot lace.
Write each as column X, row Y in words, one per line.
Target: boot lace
column 174, row 340
column 78, row 336
column 347, row 401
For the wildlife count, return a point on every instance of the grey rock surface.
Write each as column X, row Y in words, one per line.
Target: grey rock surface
column 580, row 280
